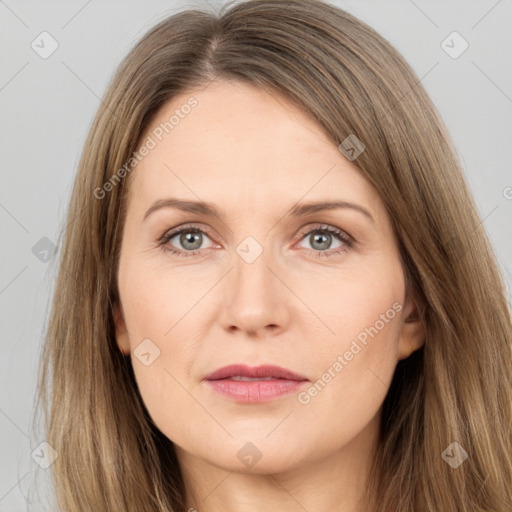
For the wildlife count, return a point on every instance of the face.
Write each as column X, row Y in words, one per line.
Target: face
column 264, row 281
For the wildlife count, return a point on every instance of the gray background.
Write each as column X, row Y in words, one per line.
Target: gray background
column 47, row 106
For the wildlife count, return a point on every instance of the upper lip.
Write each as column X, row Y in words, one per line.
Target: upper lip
column 254, row 372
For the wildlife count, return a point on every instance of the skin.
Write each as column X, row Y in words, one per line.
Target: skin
column 254, row 156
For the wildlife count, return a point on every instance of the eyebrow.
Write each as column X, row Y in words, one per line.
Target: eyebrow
column 297, row 210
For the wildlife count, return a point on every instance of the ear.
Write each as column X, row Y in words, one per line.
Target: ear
column 413, row 332
column 122, row 339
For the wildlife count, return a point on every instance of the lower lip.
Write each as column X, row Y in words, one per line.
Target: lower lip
column 256, row 390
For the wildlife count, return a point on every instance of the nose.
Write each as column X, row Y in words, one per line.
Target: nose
column 256, row 301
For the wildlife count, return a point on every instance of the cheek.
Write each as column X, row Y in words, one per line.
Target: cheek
column 156, row 299
column 345, row 304
column 156, row 310
column 354, row 371
column 356, row 356
column 159, row 315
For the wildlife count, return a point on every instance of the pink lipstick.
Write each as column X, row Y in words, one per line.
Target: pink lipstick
column 246, row 384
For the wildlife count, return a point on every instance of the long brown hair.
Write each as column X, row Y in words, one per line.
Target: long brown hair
column 455, row 389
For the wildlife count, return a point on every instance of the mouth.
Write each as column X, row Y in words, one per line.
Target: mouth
column 246, row 384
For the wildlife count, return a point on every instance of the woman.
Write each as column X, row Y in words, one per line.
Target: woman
column 336, row 336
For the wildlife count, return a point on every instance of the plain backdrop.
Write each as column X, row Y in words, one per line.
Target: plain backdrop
column 48, row 102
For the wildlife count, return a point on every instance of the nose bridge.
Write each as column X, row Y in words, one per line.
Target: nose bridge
column 251, row 273
column 254, row 296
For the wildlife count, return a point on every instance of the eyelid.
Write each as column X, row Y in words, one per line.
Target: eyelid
column 345, row 238
column 321, row 226
column 182, row 227
column 171, row 233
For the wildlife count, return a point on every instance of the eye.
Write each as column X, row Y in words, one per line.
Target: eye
column 190, row 238
column 321, row 237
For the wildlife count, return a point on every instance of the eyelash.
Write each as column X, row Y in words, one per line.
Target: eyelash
column 343, row 237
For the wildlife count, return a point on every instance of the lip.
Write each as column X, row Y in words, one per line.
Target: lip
column 254, row 372
column 278, row 382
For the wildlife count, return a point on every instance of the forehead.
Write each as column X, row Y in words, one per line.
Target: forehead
column 236, row 140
